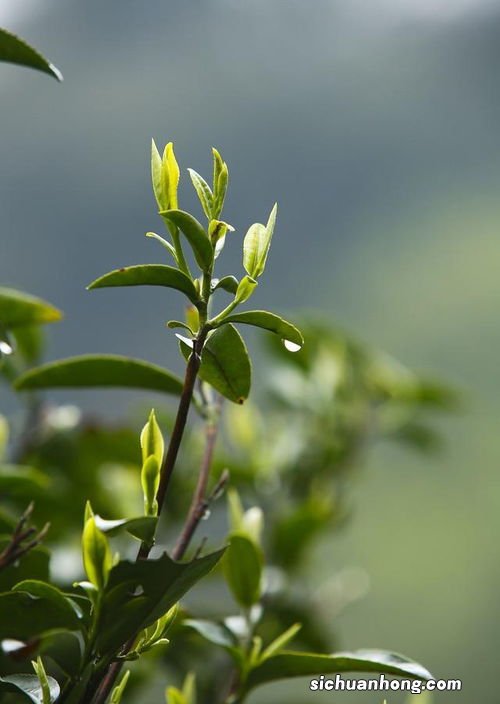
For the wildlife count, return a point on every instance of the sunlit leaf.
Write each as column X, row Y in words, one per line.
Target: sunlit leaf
column 100, row 371
column 18, row 308
column 148, row 275
column 268, row 321
column 243, row 564
column 30, row 686
column 291, row 664
column 195, row 235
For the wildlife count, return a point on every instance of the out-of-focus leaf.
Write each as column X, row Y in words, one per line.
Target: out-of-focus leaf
column 139, row 593
column 195, row 235
column 216, row 633
column 148, row 275
column 100, row 370
column 29, row 339
column 225, row 363
column 269, row 321
column 30, row 686
column 291, row 664
column 17, row 480
column 14, row 50
column 33, row 565
column 242, row 564
column 18, row 308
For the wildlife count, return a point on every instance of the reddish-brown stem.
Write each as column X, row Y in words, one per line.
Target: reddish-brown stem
column 200, row 501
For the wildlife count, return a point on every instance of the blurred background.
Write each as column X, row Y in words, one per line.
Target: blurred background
column 374, row 124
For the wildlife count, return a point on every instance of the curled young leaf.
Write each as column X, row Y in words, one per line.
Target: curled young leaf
column 203, row 191
column 256, row 246
column 152, row 439
column 97, row 558
column 150, row 481
column 243, row 563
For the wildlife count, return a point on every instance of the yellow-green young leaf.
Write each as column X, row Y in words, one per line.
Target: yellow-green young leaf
column 245, row 289
column 193, row 319
column 44, row 682
column 203, row 191
column 88, row 513
column 157, row 179
column 171, row 175
column 243, row 564
column 150, row 481
column 117, row 693
column 235, row 510
column 174, row 696
column 256, row 245
column 97, row 558
column 19, row 308
column 218, row 164
column 281, row 641
column 4, row 436
column 152, row 440
column 189, row 688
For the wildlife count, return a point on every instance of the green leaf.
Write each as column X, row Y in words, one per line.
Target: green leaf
column 165, row 176
column 139, row 593
column 150, row 481
column 148, row 275
column 281, row 641
column 165, row 243
column 48, row 693
column 291, row 664
column 18, row 480
column 152, row 440
column 117, row 693
column 256, row 246
column 141, row 527
column 43, row 590
column 220, row 181
column 227, row 283
column 14, row 50
column 24, row 616
column 195, row 235
column 225, row 363
column 101, row 370
column 243, row 564
column 269, row 321
column 245, row 289
column 204, row 192
column 18, row 308
column 30, row 686
column 97, row 558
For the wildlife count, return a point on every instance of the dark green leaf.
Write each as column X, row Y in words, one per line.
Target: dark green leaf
column 228, row 283
column 100, row 370
column 225, row 363
column 269, row 321
column 291, row 664
column 243, row 563
column 23, row 616
column 18, row 308
column 195, row 235
column 148, row 275
column 138, row 593
column 30, row 686
column 14, row 50
column 17, row 480
column 44, row 590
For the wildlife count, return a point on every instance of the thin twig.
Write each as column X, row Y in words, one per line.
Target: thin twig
column 23, row 539
column 200, row 502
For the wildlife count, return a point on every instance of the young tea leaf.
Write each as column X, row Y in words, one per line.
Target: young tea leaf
column 148, row 275
column 195, row 235
column 269, row 321
column 242, row 565
column 97, row 558
column 18, row 308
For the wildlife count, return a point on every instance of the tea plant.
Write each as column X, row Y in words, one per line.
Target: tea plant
column 331, row 398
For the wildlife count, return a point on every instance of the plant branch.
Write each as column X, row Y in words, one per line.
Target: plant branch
column 200, row 500
column 23, row 540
